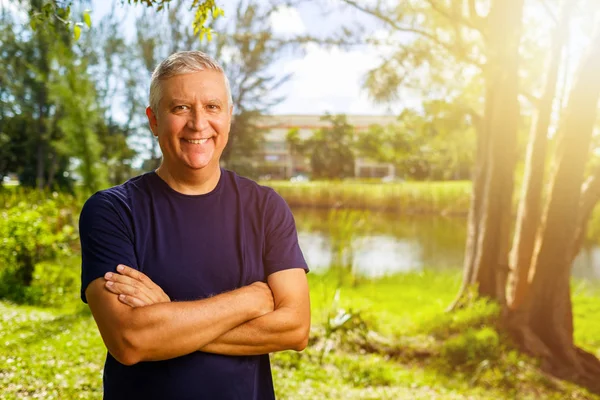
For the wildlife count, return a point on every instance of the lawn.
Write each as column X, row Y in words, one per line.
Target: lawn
column 371, row 339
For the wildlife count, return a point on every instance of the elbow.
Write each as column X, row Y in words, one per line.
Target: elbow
column 300, row 344
column 126, row 357
column 126, row 351
column 301, row 338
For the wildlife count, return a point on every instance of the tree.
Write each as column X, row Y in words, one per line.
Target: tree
column 49, row 106
column 436, row 143
column 58, row 13
column 538, row 311
column 331, row 149
column 108, row 56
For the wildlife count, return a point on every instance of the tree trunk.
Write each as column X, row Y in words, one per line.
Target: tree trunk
column 486, row 258
column 543, row 325
column 590, row 194
column 40, row 172
column 52, row 169
column 529, row 213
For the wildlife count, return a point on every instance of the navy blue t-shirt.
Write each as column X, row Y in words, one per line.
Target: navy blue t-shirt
column 193, row 247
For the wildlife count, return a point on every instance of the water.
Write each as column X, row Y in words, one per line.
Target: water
column 385, row 244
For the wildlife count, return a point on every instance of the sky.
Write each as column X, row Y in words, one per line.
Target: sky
column 322, row 80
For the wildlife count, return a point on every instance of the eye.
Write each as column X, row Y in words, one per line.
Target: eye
column 213, row 107
column 180, row 108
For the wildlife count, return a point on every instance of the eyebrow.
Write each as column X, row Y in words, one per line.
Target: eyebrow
column 175, row 101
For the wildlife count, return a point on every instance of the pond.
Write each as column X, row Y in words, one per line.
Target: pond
column 376, row 244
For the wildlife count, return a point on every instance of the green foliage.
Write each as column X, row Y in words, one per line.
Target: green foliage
column 331, row 149
column 49, row 111
column 366, row 371
column 29, row 235
column 55, row 283
column 471, row 347
column 73, row 93
column 479, row 313
column 435, row 144
column 205, row 10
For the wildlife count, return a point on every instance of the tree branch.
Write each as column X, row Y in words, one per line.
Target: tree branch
column 410, row 29
column 454, row 17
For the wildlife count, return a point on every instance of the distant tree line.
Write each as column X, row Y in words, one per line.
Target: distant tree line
column 433, row 145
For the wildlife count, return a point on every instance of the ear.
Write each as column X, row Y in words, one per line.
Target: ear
column 152, row 121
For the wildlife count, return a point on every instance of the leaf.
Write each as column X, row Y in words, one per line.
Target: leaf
column 77, row 32
column 87, row 19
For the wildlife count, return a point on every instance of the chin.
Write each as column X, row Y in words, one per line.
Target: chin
column 197, row 166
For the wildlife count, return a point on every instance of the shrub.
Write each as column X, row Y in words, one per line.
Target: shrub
column 366, row 371
column 471, row 347
column 55, row 283
column 29, row 235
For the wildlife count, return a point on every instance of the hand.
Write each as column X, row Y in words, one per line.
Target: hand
column 134, row 288
column 262, row 297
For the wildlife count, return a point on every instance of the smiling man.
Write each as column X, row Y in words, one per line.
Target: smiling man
column 192, row 273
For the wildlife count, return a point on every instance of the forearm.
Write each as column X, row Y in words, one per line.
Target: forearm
column 167, row 330
column 279, row 330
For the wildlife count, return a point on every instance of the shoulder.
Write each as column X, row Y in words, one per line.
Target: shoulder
column 252, row 191
column 115, row 200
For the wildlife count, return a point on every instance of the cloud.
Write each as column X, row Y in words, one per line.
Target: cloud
column 329, row 80
column 287, row 21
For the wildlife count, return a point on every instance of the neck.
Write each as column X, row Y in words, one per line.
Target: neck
column 191, row 182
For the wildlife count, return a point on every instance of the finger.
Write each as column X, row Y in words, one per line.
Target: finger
column 126, row 283
column 131, row 301
column 156, row 293
column 151, row 295
column 120, row 288
column 126, row 280
column 132, row 273
column 137, row 275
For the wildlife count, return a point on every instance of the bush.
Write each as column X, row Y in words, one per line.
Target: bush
column 29, row 235
column 365, row 371
column 471, row 347
column 55, row 283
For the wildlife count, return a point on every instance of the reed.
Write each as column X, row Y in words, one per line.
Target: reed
column 443, row 198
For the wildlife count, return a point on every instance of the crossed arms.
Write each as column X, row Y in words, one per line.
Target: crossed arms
column 138, row 322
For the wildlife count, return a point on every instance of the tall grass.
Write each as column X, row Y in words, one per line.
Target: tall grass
column 407, row 197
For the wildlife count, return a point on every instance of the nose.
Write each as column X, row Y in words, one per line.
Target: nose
column 198, row 121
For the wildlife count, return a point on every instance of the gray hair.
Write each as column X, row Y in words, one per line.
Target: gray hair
column 182, row 62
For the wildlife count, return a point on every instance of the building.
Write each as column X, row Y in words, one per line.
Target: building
column 276, row 161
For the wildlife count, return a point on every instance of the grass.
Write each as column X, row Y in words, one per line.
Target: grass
column 450, row 197
column 371, row 339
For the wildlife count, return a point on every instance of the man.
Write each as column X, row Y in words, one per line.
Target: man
column 174, row 262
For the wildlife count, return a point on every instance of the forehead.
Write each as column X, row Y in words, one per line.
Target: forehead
column 195, row 86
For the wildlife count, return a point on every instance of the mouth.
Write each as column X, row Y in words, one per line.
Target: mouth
column 196, row 141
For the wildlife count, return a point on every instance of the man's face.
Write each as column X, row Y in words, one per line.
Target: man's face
column 192, row 121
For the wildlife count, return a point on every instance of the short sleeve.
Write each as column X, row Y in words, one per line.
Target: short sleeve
column 106, row 238
column 282, row 250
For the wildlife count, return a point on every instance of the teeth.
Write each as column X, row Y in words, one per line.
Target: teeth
column 199, row 141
